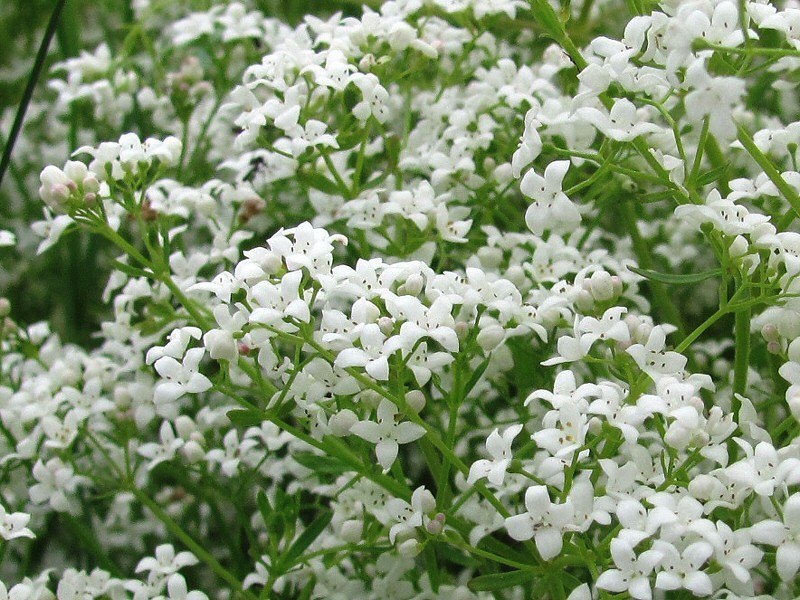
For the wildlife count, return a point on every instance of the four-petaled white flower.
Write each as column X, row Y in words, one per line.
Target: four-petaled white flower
column 551, row 209
column 410, row 516
column 785, row 536
column 12, row 525
column 632, row 574
column 499, row 448
column 544, row 521
column 181, row 378
column 387, row 433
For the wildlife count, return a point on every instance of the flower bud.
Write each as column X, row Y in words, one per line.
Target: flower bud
column 193, row 452
column 462, row 330
column 5, row 307
column 490, row 257
column 435, row 526
column 409, row 548
column 516, row 275
column 352, row 531
column 584, row 301
column 490, row 337
column 602, row 288
column 185, row 427
column 341, row 422
column 770, row 332
column 738, row 247
column 414, row 284
column 774, row 347
column 415, row 400
column 386, row 325
column 503, row 173
column 616, row 282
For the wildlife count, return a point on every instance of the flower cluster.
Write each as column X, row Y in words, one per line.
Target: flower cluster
column 436, row 299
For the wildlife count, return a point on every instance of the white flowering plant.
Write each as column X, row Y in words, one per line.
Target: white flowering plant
column 421, row 299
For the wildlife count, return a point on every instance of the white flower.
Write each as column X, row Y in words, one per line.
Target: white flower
column 375, row 98
column 7, row 238
column 12, row 525
column 543, row 521
column 785, row 536
column 712, row 97
column 499, row 448
column 551, row 209
column 181, row 378
column 653, row 359
column 166, row 561
column 373, row 354
column 623, row 123
column 632, row 574
column 164, row 451
column 682, row 569
column 410, row 516
column 387, row 433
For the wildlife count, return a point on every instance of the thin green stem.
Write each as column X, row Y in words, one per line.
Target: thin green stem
column 190, row 543
column 38, row 66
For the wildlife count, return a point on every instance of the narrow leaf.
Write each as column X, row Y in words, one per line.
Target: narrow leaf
column 245, row 417
column 305, row 539
column 675, row 279
column 500, row 581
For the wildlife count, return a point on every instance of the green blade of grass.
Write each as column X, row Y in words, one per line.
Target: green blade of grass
column 38, row 65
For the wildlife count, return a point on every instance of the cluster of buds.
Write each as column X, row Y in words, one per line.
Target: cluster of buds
column 75, row 184
column 601, row 288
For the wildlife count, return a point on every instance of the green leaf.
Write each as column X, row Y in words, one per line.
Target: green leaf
column 675, row 279
column 245, row 417
column 321, row 464
column 305, row 539
column 500, row 581
column 321, row 183
column 129, row 270
column 264, row 507
column 476, row 377
column 713, row 175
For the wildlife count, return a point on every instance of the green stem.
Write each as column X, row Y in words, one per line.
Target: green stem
column 196, row 548
column 769, row 169
column 742, row 357
column 38, row 66
column 660, row 296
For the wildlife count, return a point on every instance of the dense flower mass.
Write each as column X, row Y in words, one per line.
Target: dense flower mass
column 421, row 299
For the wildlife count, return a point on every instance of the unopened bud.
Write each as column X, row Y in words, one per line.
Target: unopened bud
column 436, row 525
column 193, row 452
column 794, row 405
column 602, row 286
column 185, row 427
column 244, row 349
column 386, row 325
column 774, row 347
column 584, row 301
column 617, row 283
column 414, row 284
column 490, row 257
column 490, row 337
column 90, row 198
column 5, row 308
column 415, row 400
column 366, row 63
column 503, row 173
column 738, row 247
column 9, row 326
column 770, row 332
column 352, row 531
column 341, row 422
column 409, row 548
column 516, row 275
column 462, row 330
